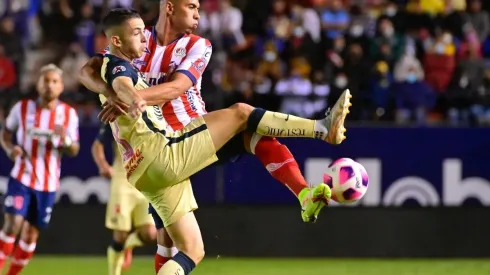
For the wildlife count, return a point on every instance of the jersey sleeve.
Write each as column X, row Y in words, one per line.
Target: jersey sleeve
column 13, row 119
column 120, row 67
column 196, row 60
column 105, row 51
column 73, row 126
column 105, row 133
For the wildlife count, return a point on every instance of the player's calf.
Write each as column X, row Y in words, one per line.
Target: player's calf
column 25, row 249
column 11, row 228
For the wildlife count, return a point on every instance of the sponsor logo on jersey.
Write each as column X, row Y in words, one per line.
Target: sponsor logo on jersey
column 199, row 65
column 118, row 69
column 180, row 52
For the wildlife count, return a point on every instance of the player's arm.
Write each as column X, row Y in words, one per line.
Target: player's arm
column 70, row 144
column 122, row 77
column 7, row 133
column 90, row 76
column 186, row 75
column 98, row 153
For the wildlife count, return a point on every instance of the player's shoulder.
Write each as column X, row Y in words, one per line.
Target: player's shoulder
column 117, row 65
column 193, row 39
column 67, row 107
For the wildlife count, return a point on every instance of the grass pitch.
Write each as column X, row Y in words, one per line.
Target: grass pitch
column 54, row 265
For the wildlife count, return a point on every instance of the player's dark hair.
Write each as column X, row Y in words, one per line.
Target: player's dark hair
column 116, row 17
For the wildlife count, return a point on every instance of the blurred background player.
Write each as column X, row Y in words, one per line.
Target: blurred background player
column 45, row 129
column 174, row 56
column 127, row 207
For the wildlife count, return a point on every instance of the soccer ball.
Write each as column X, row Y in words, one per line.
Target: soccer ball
column 347, row 179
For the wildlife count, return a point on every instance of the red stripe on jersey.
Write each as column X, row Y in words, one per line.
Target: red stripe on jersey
column 192, row 40
column 23, row 115
column 49, row 148
column 35, row 145
column 168, row 108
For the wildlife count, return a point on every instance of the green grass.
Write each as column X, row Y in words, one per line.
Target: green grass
column 43, row 265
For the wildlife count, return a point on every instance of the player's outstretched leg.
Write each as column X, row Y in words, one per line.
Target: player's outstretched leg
column 226, row 123
column 280, row 163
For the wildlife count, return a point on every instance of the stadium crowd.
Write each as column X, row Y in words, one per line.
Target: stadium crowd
column 419, row 61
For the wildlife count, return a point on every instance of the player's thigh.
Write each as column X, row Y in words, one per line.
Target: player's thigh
column 41, row 211
column 186, row 234
column 119, row 212
column 225, row 124
column 17, row 201
column 173, row 202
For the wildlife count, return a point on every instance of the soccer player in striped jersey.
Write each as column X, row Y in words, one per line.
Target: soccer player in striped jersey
column 46, row 129
column 174, row 62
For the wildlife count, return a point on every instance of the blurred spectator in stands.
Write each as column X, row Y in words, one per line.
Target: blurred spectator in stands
column 270, row 64
column 11, row 43
column 480, row 108
column 479, row 19
column 430, row 7
column 359, row 29
column 439, row 62
column 230, row 27
column 379, row 96
column 467, row 80
column 301, row 44
column 418, row 22
column 8, row 79
column 335, row 58
column 279, row 24
column 308, row 19
column 357, row 68
column 453, row 21
column 58, row 21
column 85, row 29
column 413, row 97
column 335, row 20
column 387, row 45
column 71, row 64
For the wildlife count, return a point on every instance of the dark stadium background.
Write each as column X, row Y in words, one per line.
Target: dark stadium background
column 420, row 75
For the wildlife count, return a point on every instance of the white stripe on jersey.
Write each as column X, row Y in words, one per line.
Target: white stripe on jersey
column 34, row 127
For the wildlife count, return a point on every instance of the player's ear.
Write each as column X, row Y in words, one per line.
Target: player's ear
column 116, row 40
column 170, row 8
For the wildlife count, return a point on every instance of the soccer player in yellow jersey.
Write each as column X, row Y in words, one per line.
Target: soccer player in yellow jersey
column 127, row 207
column 159, row 163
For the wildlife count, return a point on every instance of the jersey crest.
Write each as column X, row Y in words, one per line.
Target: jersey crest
column 118, row 69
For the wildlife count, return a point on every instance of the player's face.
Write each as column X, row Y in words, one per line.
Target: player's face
column 50, row 85
column 185, row 15
column 133, row 40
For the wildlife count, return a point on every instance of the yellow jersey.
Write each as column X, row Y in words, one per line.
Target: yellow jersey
column 136, row 138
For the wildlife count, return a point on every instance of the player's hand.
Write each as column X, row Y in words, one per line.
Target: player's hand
column 16, row 152
column 106, row 172
column 110, row 113
column 137, row 108
column 60, row 131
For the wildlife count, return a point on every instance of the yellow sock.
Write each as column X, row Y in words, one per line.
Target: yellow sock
column 283, row 125
column 171, row 268
column 115, row 260
column 133, row 240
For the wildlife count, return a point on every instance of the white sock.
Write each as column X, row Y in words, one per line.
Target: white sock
column 167, row 252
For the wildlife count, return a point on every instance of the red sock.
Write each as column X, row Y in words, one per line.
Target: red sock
column 22, row 254
column 277, row 159
column 163, row 255
column 6, row 247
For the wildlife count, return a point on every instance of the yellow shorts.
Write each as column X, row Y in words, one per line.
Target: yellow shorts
column 166, row 181
column 126, row 208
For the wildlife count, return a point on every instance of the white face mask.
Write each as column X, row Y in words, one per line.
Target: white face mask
column 341, row 82
column 356, row 30
column 447, row 38
column 440, row 49
column 270, row 56
column 388, row 32
column 298, row 32
column 391, row 11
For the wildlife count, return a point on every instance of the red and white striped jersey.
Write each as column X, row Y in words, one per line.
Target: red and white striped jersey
column 189, row 54
column 34, row 127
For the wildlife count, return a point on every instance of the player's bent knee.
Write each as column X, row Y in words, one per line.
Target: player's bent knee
column 147, row 233
column 119, row 236
column 163, row 238
column 242, row 111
